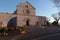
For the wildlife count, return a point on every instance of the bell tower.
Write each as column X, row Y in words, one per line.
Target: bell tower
column 25, row 9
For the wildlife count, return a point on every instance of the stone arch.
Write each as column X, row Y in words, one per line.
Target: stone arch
column 12, row 21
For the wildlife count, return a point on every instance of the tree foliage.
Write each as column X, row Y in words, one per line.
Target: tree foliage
column 54, row 23
column 56, row 17
column 57, row 3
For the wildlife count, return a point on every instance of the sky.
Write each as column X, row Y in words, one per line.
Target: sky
column 43, row 7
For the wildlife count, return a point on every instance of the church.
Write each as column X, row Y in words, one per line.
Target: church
column 24, row 15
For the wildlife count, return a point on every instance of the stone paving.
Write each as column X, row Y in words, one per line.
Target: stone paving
column 35, row 33
column 39, row 32
column 7, row 37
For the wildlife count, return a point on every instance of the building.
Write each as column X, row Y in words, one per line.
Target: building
column 24, row 15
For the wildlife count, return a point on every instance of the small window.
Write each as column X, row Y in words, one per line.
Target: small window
column 27, row 6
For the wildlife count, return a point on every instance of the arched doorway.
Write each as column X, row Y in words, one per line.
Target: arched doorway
column 12, row 22
column 27, row 23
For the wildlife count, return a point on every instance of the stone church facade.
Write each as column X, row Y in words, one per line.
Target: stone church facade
column 24, row 15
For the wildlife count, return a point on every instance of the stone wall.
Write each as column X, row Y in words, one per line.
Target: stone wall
column 42, row 20
column 21, row 20
column 4, row 18
column 21, row 9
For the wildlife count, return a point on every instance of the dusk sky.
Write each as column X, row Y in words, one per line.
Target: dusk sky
column 43, row 7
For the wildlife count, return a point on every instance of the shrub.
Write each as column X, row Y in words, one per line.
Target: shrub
column 4, row 29
column 22, row 28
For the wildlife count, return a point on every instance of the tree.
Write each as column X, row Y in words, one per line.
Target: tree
column 56, row 17
column 57, row 3
column 54, row 23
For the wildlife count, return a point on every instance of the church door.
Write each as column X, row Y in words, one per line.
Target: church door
column 27, row 23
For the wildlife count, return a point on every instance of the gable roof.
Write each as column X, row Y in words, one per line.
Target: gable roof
column 27, row 3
